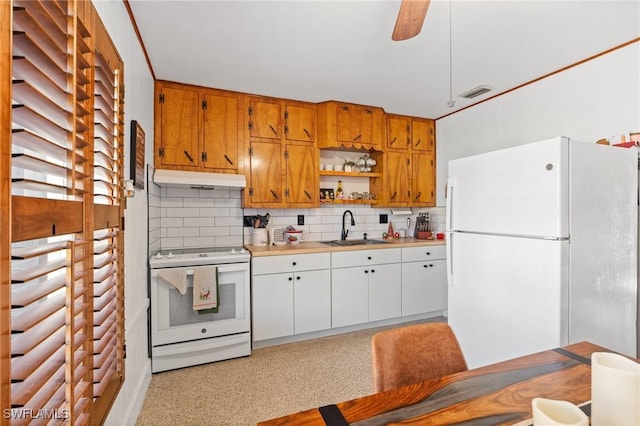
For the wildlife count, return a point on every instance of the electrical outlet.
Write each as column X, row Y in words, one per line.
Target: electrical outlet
column 384, row 218
column 300, row 219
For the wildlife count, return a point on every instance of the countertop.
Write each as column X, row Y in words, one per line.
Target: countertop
column 318, row 247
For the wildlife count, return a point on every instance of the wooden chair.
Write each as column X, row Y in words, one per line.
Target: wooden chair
column 413, row 354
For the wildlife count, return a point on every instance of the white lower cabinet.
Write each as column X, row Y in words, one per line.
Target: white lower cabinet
column 311, row 301
column 385, row 292
column 291, row 295
column 366, row 286
column 349, row 296
column 305, row 293
column 424, row 280
column 272, row 306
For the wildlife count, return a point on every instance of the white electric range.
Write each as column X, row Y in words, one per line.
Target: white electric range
column 182, row 336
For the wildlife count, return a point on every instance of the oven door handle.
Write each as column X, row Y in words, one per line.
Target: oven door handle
column 231, row 267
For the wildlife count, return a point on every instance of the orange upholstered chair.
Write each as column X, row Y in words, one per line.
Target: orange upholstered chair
column 413, row 354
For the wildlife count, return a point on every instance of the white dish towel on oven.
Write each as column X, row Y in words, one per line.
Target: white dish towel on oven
column 205, row 288
column 175, row 277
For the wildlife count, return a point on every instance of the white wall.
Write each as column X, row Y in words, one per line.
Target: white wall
column 594, row 100
column 138, row 106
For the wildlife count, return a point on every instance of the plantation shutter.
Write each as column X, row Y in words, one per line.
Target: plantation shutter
column 64, row 308
column 108, row 173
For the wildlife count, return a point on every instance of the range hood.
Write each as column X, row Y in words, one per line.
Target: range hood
column 198, row 179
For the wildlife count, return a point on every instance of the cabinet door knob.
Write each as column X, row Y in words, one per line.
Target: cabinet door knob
column 368, row 257
column 294, row 263
column 373, row 271
column 290, row 278
column 366, row 271
column 428, row 253
column 426, row 266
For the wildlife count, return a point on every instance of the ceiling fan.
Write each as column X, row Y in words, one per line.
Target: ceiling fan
column 410, row 19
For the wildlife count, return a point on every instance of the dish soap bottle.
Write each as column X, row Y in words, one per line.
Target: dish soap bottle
column 339, row 191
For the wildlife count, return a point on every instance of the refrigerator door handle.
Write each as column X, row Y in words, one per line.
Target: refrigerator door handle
column 449, row 243
column 449, row 217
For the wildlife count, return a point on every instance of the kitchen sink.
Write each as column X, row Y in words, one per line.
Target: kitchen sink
column 348, row 243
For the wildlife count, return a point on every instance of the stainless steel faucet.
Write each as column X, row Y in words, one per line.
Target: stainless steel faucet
column 345, row 231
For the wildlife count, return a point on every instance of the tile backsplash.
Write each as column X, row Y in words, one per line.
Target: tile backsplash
column 184, row 217
column 199, row 217
column 325, row 222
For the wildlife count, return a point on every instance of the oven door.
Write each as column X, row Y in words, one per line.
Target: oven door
column 173, row 319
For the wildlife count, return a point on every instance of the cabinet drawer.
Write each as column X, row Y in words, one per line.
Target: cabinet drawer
column 413, row 254
column 290, row 263
column 344, row 259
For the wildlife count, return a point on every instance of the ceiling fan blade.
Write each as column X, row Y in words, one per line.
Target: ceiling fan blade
column 410, row 19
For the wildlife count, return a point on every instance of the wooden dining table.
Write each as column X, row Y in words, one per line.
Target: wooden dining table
column 496, row 394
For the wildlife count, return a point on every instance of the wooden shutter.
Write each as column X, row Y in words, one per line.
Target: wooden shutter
column 108, row 173
column 62, row 316
column 5, row 205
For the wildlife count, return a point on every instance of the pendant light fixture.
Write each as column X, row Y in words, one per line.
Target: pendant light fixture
column 451, row 102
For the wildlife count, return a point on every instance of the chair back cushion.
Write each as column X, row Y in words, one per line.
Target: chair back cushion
column 413, row 354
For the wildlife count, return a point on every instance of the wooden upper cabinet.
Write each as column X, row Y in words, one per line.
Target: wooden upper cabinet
column 302, row 176
column 265, row 186
column 178, row 110
column 198, row 129
column 283, row 157
column 300, row 122
column 410, row 166
column 398, row 132
column 424, row 179
column 398, row 178
column 264, row 118
column 423, row 134
column 350, row 126
column 220, row 129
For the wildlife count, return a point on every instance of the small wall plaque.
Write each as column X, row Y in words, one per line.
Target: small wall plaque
column 137, row 154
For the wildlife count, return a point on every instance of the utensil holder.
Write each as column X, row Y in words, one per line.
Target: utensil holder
column 615, row 390
column 260, row 237
column 424, row 235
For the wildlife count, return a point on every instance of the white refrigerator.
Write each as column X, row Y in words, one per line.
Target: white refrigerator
column 542, row 249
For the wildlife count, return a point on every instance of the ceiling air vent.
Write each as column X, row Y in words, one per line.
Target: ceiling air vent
column 476, row 91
